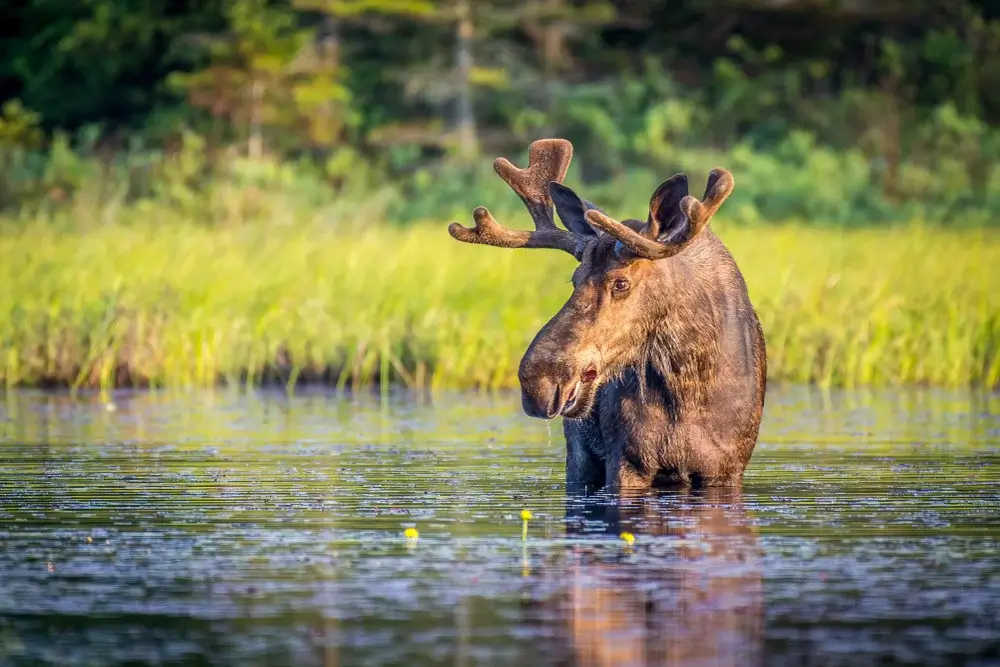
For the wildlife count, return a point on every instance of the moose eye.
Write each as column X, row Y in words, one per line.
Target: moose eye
column 620, row 285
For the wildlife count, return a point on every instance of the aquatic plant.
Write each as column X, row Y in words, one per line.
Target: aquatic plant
column 526, row 516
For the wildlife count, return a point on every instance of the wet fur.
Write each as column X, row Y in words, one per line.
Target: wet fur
column 687, row 411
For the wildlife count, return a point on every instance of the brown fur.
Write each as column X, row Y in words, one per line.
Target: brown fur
column 657, row 360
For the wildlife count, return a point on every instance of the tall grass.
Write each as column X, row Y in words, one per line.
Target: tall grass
column 155, row 301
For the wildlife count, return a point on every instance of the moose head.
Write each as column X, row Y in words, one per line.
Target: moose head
column 622, row 289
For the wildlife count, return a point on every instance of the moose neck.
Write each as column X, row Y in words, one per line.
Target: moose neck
column 684, row 350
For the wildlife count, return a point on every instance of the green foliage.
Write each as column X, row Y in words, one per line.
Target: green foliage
column 350, row 8
column 19, row 127
column 872, row 116
column 19, row 133
column 955, row 183
column 268, row 76
column 93, row 61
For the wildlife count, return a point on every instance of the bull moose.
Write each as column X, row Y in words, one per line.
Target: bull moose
column 657, row 361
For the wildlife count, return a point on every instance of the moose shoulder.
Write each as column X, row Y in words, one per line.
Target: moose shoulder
column 657, row 360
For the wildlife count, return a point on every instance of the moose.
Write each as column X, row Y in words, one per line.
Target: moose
column 657, row 361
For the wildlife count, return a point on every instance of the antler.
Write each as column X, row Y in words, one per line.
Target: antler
column 548, row 160
column 698, row 213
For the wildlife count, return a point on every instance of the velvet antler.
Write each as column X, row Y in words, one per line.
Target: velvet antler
column 695, row 217
column 548, row 160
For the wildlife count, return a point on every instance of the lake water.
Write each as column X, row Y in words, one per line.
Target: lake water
column 231, row 529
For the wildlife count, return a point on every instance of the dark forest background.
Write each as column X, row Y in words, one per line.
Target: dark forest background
column 839, row 111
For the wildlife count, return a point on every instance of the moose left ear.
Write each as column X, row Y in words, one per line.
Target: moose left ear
column 571, row 209
column 667, row 222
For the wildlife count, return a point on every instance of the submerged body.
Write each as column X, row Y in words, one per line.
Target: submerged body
column 657, row 361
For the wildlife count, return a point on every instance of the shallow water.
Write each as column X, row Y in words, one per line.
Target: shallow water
column 227, row 529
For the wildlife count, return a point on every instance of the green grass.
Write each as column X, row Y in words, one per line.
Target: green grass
column 164, row 303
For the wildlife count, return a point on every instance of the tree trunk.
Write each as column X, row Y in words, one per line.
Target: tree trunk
column 464, row 112
column 327, row 126
column 255, row 142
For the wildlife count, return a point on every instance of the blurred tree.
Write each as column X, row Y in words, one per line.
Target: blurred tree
column 469, row 27
column 553, row 25
column 95, row 60
column 271, row 79
column 399, row 84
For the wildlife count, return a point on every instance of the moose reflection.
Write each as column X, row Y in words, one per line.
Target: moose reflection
column 688, row 592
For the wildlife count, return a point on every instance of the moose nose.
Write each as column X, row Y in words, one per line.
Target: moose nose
column 541, row 398
column 548, row 375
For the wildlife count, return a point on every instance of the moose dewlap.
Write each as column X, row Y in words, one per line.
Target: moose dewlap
column 657, row 360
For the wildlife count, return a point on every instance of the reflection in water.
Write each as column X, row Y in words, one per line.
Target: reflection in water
column 688, row 592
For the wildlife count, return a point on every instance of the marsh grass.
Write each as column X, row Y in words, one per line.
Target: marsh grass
column 155, row 301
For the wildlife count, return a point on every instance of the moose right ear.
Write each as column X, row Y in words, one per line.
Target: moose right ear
column 571, row 209
column 667, row 222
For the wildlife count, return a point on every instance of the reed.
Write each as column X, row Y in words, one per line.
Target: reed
column 157, row 301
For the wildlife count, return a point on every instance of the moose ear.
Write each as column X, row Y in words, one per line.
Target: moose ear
column 667, row 222
column 571, row 209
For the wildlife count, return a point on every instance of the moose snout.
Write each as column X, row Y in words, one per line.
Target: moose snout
column 550, row 387
column 543, row 397
column 544, row 377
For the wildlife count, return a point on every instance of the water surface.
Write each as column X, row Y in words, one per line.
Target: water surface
column 229, row 529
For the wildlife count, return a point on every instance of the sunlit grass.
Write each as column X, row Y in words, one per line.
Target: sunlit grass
column 162, row 302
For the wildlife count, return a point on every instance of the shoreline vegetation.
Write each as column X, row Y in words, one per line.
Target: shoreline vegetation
column 256, row 192
column 144, row 298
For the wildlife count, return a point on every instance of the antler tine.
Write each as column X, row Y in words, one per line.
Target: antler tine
column 717, row 190
column 699, row 213
column 489, row 232
column 548, row 160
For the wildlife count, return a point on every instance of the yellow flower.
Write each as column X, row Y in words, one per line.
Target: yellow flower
column 411, row 533
column 526, row 515
column 628, row 537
